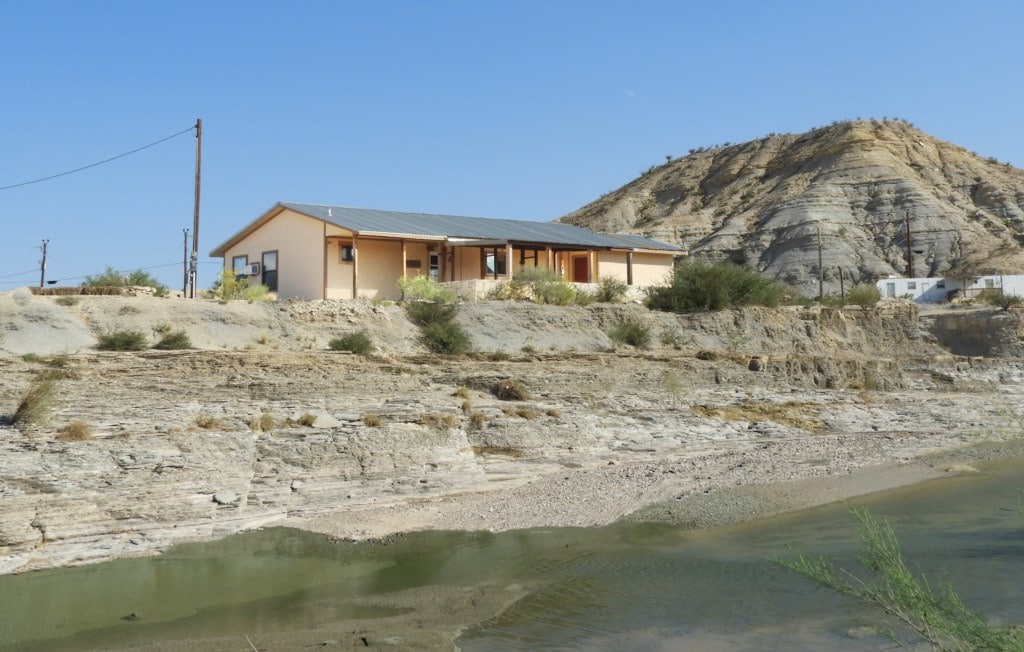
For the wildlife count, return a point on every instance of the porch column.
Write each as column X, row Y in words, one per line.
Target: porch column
column 327, row 248
column 403, row 259
column 629, row 268
column 508, row 261
column 550, row 258
column 355, row 266
column 592, row 272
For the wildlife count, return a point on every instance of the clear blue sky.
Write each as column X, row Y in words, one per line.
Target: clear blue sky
column 525, row 109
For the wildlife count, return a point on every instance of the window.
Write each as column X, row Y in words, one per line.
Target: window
column 941, row 284
column 434, row 268
column 240, row 265
column 270, row 270
column 990, row 282
column 347, row 253
column 911, row 285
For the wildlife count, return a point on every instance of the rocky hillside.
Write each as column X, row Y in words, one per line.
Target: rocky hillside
column 763, row 202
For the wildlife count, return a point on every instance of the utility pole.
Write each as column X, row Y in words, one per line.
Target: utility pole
column 193, row 276
column 910, row 251
column 42, row 266
column 821, row 270
column 184, row 266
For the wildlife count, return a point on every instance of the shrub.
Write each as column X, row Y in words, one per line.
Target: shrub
column 372, row 420
column 358, row 342
column 445, row 338
column 478, row 420
column 230, row 286
column 77, row 430
column 32, row 357
column 461, row 392
column 556, row 293
column 206, row 422
column 703, row 285
column 439, row 331
column 111, row 278
column 264, row 422
column 631, row 331
column 511, row 390
column 423, row 288
column 39, row 400
column 864, row 294
column 998, row 298
column 308, row 420
column 442, row 421
column 610, row 290
column 542, row 285
column 66, row 301
column 174, row 342
column 122, row 341
column 128, row 309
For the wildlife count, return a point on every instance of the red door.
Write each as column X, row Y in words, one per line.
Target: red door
column 581, row 269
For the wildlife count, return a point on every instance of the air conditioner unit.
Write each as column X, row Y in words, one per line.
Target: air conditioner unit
column 254, row 269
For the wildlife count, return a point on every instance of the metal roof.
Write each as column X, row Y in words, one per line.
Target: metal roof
column 366, row 220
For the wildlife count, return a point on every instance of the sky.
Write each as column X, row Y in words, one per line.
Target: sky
column 526, row 110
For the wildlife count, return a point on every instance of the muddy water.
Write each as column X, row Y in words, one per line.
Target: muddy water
column 619, row 587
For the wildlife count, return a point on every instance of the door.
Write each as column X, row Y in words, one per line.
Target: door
column 270, row 270
column 890, row 289
column 581, row 269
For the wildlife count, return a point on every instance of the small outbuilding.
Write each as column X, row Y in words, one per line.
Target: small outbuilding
column 334, row 252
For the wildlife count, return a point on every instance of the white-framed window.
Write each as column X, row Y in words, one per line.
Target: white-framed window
column 911, row 285
column 990, row 283
column 240, row 265
column 346, row 253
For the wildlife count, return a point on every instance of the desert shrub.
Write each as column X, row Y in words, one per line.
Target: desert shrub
column 207, row 422
column 66, row 301
column 358, row 342
column 631, row 331
column 478, row 420
column 556, row 293
column 438, row 420
column 424, row 288
column 584, row 298
column 265, row 422
column 542, row 285
column 554, row 413
column 511, row 390
column 610, row 290
column 308, row 420
column 704, row 285
column 128, row 309
column 998, row 298
column 446, row 338
column 77, row 430
column 461, row 392
column 39, row 400
column 122, row 341
column 863, row 294
column 230, row 286
column 174, row 342
column 439, row 331
column 32, row 357
column 111, row 278
column 59, row 361
column 372, row 420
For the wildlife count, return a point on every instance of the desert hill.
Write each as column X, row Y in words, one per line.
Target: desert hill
column 762, row 203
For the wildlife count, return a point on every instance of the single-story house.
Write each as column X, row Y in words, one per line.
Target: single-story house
column 941, row 289
column 335, row 252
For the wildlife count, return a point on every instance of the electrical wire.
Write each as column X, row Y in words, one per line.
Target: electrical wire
column 30, row 271
column 92, row 165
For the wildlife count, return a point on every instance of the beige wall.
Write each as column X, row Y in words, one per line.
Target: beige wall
column 648, row 269
column 300, row 255
column 380, row 266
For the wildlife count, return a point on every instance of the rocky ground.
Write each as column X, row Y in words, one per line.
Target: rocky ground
column 261, row 425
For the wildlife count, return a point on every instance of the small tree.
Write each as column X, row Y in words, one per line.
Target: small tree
column 704, row 285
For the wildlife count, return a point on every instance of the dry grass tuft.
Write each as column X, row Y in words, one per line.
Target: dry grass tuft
column 478, row 419
column 527, row 413
column 467, row 407
column 791, row 413
column 206, row 422
column 77, row 430
column 372, row 420
column 461, row 392
column 553, row 413
column 39, row 400
column 308, row 420
column 506, row 451
column 443, row 421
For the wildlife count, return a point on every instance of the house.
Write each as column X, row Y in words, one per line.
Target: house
column 335, row 252
column 942, row 289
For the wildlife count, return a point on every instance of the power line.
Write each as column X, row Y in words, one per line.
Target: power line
column 92, row 165
column 29, row 271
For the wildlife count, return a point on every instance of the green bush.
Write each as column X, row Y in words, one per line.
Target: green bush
column 864, row 294
column 66, row 301
column 423, row 288
column 610, row 290
column 230, row 286
column 995, row 297
column 174, row 342
column 631, row 331
column 540, row 284
column 439, row 331
column 358, row 342
column 122, row 341
column 703, row 285
column 111, row 278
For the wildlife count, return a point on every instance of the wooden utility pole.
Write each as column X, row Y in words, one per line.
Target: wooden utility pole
column 821, row 270
column 42, row 266
column 193, row 275
column 184, row 266
column 910, row 251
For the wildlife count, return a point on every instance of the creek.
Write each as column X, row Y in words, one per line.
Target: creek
column 649, row 587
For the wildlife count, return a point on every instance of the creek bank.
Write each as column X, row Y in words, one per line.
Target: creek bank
column 199, row 444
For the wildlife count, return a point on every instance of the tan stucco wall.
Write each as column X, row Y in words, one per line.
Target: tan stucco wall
column 380, row 266
column 300, row 254
column 648, row 269
column 339, row 274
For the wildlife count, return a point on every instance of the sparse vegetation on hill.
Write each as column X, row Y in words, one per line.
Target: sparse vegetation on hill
column 122, row 341
column 111, row 278
column 358, row 342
